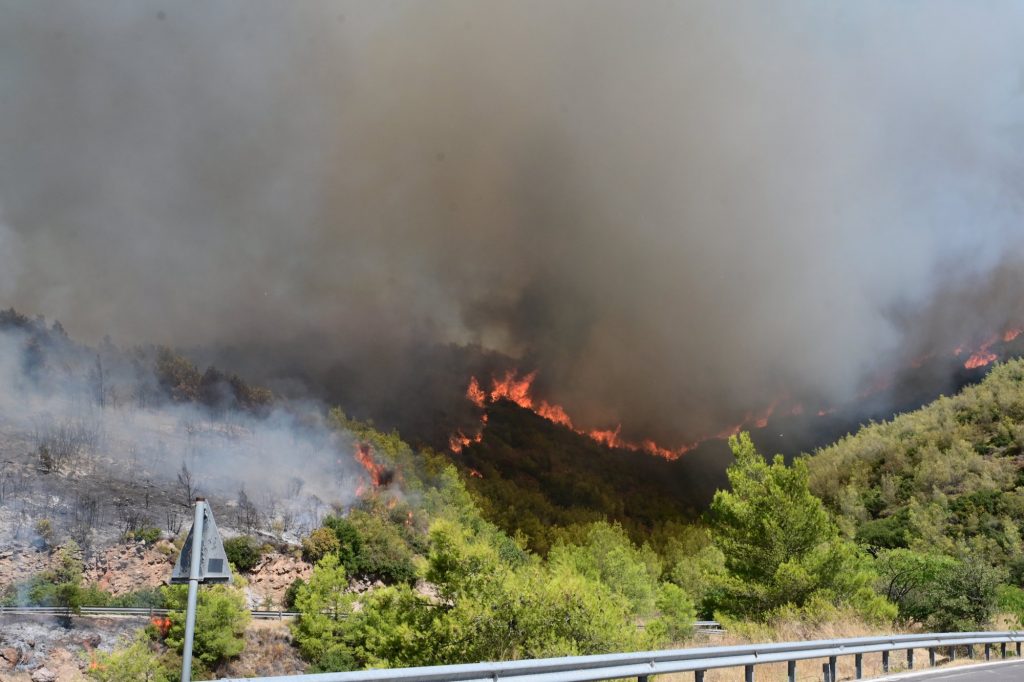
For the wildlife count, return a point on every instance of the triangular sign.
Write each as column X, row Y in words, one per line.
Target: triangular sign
column 213, row 566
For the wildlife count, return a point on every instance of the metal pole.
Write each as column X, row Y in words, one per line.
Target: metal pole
column 791, row 671
column 193, row 592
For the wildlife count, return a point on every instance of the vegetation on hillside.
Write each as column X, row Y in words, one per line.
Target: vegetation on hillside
column 945, row 479
column 913, row 522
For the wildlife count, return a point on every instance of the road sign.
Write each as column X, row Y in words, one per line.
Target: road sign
column 213, row 564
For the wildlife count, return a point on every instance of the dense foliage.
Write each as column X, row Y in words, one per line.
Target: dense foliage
column 221, row 619
column 243, row 552
column 489, row 596
column 780, row 545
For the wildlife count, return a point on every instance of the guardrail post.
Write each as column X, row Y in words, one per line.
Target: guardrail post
column 988, row 651
column 824, row 672
column 748, row 673
column 931, row 657
column 698, row 676
column 641, row 678
column 1018, row 649
column 970, row 651
column 791, row 671
column 832, row 668
column 910, row 659
column 1002, row 649
column 885, row 661
column 952, row 653
column 858, row 663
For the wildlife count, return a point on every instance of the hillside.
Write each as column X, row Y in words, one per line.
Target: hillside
column 947, row 477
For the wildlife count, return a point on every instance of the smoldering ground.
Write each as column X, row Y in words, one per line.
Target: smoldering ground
column 91, row 444
column 673, row 210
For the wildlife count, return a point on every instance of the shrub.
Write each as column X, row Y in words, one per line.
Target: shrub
column 221, row 618
column 780, row 545
column 243, row 552
column 383, row 553
column 136, row 662
column 319, row 544
column 676, row 615
column 292, row 592
column 349, row 541
column 147, row 534
column 938, row 591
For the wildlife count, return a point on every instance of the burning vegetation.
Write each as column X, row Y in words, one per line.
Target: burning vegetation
column 518, row 389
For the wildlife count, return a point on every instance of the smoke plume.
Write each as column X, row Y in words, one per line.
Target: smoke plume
column 673, row 211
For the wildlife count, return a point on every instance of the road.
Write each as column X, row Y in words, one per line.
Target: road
column 1002, row 672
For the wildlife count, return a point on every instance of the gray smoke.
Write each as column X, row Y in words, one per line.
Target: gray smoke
column 673, row 210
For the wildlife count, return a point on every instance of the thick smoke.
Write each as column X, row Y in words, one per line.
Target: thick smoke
column 673, row 210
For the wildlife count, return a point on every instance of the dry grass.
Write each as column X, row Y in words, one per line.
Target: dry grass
column 811, row 669
column 268, row 651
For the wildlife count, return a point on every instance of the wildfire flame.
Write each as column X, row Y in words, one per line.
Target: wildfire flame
column 379, row 474
column 517, row 389
column 984, row 355
column 162, row 625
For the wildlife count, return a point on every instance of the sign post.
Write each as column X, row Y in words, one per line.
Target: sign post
column 202, row 560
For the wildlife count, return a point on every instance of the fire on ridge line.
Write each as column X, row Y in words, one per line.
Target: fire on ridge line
column 517, row 389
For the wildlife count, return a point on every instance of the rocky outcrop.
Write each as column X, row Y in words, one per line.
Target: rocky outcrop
column 18, row 563
column 271, row 578
column 128, row 568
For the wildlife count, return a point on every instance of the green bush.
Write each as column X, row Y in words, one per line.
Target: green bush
column 383, row 553
column 221, row 619
column 608, row 555
column 243, row 552
column 780, row 545
column 350, row 544
column 496, row 606
column 676, row 615
column 292, row 592
column 134, row 663
column 319, row 544
column 148, row 534
column 1010, row 601
column 940, row 592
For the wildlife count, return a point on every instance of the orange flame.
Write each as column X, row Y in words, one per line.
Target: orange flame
column 162, row 625
column 513, row 389
column 475, row 474
column 517, row 389
column 554, row 413
column 475, row 393
column 379, row 475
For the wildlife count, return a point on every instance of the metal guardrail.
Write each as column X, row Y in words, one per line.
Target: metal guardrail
column 698, row 661
column 120, row 611
column 708, row 626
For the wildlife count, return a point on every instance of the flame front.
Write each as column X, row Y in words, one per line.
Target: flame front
column 517, row 389
column 985, row 356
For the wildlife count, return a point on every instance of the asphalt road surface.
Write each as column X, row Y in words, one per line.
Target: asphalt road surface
column 1007, row 672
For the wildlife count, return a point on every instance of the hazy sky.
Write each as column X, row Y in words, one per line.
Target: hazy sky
column 672, row 209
